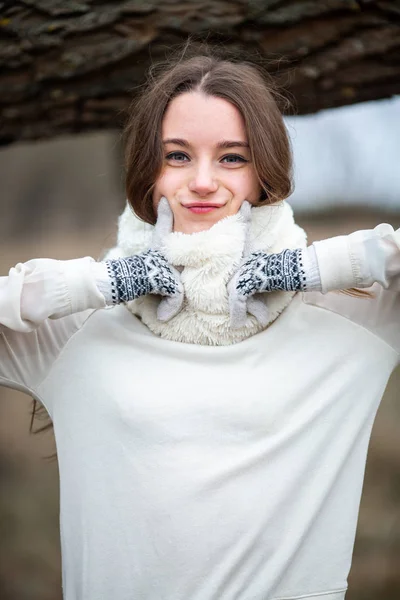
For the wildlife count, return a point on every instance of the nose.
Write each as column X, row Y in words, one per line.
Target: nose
column 203, row 180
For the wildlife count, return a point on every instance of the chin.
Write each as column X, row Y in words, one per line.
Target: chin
column 200, row 222
column 194, row 227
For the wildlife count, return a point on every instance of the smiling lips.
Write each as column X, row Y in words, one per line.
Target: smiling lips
column 202, row 208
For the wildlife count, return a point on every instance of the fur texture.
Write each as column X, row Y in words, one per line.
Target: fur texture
column 207, row 260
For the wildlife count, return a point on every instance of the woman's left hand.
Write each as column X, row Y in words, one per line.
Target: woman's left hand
column 242, row 285
column 261, row 272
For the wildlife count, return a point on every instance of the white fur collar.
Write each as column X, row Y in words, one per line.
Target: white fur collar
column 207, row 260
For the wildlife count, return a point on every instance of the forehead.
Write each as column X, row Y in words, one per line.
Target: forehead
column 199, row 118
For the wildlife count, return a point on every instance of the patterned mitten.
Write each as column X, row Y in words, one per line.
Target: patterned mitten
column 262, row 272
column 149, row 272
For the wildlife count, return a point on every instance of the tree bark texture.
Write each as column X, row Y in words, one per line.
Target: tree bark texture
column 72, row 66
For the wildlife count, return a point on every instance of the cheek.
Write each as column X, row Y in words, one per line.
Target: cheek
column 169, row 182
column 162, row 188
column 246, row 185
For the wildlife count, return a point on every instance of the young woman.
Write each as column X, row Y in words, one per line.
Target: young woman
column 212, row 425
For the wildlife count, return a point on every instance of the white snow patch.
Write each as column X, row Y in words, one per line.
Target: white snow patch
column 347, row 156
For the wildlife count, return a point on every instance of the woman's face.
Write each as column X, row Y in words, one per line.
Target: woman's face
column 206, row 162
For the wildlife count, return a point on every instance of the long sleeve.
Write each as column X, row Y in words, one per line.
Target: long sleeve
column 47, row 288
column 43, row 302
column 364, row 259
column 360, row 259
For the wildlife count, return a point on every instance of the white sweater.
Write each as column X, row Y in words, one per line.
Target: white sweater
column 195, row 472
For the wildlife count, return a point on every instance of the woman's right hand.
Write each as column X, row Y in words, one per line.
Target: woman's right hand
column 149, row 272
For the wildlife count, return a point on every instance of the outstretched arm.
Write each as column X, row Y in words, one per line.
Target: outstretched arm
column 46, row 288
column 338, row 263
column 37, row 294
column 33, row 298
column 360, row 259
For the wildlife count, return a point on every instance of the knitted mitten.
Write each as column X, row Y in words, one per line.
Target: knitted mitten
column 262, row 272
column 149, row 272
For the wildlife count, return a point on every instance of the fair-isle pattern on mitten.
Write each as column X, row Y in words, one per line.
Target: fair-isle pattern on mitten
column 264, row 272
column 146, row 273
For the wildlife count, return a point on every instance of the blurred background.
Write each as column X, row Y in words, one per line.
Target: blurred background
column 68, row 71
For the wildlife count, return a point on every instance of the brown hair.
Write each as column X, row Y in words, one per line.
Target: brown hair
column 214, row 71
column 218, row 72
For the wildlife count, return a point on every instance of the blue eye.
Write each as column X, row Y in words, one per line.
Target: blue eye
column 229, row 158
column 236, row 157
column 173, row 156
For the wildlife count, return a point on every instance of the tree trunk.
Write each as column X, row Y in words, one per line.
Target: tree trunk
column 70, row 66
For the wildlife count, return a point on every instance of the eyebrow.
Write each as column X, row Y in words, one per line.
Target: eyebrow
column 223, row 144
